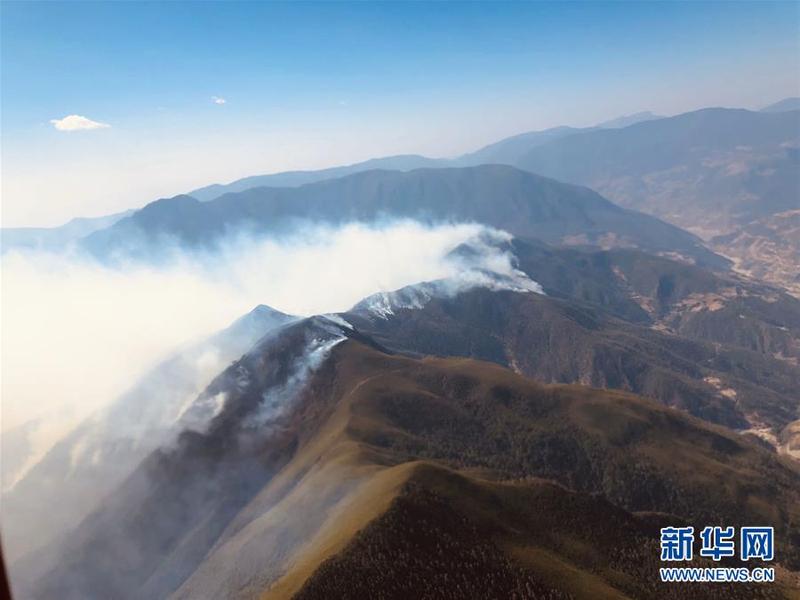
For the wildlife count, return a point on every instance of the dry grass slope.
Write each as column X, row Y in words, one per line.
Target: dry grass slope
column 455, row 507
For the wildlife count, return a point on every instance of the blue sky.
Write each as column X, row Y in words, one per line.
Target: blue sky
column 310, row 85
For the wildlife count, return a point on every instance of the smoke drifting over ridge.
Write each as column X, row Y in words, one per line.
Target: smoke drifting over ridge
column 77, row 333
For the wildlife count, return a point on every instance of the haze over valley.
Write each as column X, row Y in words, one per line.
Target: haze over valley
column 484, row 370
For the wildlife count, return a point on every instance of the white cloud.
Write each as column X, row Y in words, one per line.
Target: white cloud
column 218, row 100
column 77, row 123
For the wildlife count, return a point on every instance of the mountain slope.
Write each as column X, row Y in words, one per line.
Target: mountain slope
column 669, row 296
column 101, row 452
column 500, row 196
column 259, row 500
column 440, row 522
column 562, row 341
column 627, row 120
column 505, row 151
column 768, row 249
column 784, row 105
column 476, row 416
column 719, row 173
column 509, row 150
column 55, row 238
column 709, row 171
column 406, row 162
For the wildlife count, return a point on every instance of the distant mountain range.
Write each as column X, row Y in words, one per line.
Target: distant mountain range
column 627, row 120
column 406, row 162
column 516, row 201
column 716, row 172
column 512, row 150
column 507, row 151
column 709, row 171
column 56, row 238
column 713, row 172
column 784, row 105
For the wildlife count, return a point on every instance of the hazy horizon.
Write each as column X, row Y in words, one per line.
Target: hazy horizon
column 178, row 96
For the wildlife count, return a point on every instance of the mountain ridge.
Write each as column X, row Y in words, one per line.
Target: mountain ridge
column 504, row 151
column 784, row 105
column 500, row 196
column 364, row 410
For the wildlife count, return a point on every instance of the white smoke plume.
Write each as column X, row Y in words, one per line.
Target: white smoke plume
column 77, row 334
column 480, row 264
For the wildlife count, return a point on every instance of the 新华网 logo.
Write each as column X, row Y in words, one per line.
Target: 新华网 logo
column 716, row 543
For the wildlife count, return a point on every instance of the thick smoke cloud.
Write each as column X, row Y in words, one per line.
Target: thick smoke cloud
column 77, row 334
